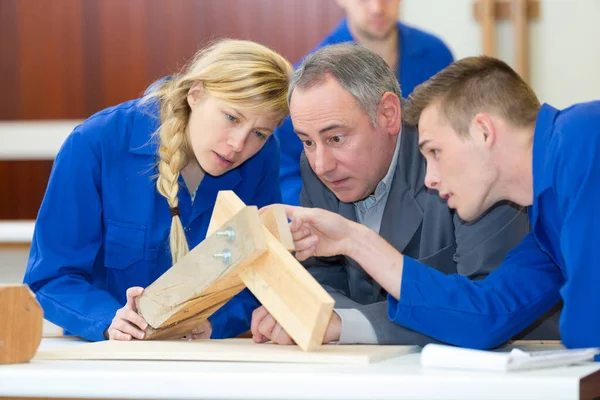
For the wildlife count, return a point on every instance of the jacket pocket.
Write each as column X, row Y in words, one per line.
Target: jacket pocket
column 124, row 244
column 442, row 260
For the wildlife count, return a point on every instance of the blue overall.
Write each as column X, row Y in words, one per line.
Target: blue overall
column 103, row 227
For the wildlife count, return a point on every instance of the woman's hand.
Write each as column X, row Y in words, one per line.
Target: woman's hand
column 127, row 323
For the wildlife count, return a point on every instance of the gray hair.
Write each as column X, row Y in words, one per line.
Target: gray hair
column 357, row 69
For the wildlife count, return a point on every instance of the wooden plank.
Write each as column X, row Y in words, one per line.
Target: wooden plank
column 521, row 38
column 244, row 350
column 275, row 220
column 502, row 10
column 488, row 26
column 199, row 283
column 294, row 298
column 21, row 326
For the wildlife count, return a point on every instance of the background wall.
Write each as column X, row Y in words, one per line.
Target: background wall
column 69, row 58
column 62, row 60
column 66, row 59
column 564, row 43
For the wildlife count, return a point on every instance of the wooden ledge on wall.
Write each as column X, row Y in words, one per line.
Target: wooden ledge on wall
column 16, row 233
column 502, row 9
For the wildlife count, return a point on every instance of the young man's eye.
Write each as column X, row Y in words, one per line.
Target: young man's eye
column 307, row 143
column 231, row 117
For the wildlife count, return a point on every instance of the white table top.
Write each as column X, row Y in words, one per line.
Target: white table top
column 398, row 378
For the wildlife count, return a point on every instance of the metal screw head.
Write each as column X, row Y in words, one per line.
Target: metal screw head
column 225, row 255
column 228, row 233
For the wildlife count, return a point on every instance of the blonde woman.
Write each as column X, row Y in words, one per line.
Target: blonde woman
column 134, row 186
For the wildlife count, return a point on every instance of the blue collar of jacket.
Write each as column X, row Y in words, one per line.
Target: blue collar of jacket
column 406, row 46
column 145, row 124
column 542, row 174
column 542, row 136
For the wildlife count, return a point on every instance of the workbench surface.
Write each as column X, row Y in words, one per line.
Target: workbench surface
column 397, row 378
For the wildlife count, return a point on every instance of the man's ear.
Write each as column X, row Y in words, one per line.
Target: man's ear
column 390, row 113
column 195, row 94
column 484, row 129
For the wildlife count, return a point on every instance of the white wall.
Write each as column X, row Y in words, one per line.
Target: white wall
column 564, row 43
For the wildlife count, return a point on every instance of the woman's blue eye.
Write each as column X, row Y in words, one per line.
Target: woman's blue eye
column 231, row 117
column 260, row 135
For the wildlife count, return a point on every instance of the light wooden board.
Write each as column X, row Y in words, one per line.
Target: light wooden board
column 274, row 219
column 21, row 319
column 243, row 350
column 286, row 289
column 199, row 284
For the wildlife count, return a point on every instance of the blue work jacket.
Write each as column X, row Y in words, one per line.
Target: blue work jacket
column 421, row 55
column 103, row 227
column 557, row 259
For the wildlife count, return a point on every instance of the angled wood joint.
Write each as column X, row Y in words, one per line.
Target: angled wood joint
column 242, row 249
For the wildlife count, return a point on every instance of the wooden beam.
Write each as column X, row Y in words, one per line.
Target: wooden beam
column 195, row 287
column 275, row 220
column 488, row 26
column 502, row 10
column 21, row 326
column 521, row 37
column 294, row 298
column 228, row 350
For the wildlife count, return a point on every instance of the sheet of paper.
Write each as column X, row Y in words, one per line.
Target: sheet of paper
column 442, row 356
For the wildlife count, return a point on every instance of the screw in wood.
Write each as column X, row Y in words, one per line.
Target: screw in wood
column 225, row 255
column 228, row 233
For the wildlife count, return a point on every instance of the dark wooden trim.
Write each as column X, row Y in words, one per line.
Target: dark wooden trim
column 9, row 54
column 15, row 245
column 92, row 41
column 589, row 387
column 23, row 185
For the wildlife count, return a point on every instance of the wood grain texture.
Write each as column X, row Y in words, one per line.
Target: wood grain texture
column 275, row 220
column 9, row 54
column 22, row 184
column 502, row 9
column 199, row 283
column 223, row 350
column 294, row 298
column 521, row 37
column 487, row 19
column 21, row 325
column 72, row 58
column 70, row 61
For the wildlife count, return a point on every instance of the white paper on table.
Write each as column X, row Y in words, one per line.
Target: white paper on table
column 442, row 356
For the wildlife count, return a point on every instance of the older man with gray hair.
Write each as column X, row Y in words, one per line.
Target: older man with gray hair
column 360, row 161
